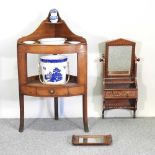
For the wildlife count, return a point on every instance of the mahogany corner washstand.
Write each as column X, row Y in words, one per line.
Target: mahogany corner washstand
column 31, row 86
column 120, row 89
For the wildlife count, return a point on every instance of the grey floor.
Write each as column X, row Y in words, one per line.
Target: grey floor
column 50, row 137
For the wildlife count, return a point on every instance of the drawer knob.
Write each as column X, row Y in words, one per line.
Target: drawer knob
column 52, row 91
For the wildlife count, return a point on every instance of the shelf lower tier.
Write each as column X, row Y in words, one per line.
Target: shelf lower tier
column 120, row 104
column 35, row 88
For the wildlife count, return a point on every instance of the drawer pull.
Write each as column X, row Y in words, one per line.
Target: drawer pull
column 52, row 91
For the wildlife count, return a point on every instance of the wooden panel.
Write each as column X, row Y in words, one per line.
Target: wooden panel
column 52, row 49
column 28, row 90
column 119, row 42
column 82, row 68
column 22, row 67
column 76, row 90
column 119, row 80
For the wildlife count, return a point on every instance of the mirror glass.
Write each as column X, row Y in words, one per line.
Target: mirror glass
column 97, row 140
column 119, row 60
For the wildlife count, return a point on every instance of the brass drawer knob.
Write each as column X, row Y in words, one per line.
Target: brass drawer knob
column 52, row 91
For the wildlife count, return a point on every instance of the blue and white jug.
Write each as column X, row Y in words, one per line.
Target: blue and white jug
column 53, row 16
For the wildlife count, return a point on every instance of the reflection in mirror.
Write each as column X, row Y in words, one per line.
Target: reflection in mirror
column 119, row 60
column 91, row 140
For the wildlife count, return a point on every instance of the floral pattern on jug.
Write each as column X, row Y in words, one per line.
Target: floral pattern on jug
column 55, row 76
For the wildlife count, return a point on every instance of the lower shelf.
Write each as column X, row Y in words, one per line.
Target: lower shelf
column 35, row 88
column 120, row 104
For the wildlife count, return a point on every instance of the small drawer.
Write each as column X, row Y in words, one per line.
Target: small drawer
column 52, row 91
column 120, row 93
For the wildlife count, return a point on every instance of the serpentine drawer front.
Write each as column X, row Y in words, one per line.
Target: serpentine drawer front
column 120, row 94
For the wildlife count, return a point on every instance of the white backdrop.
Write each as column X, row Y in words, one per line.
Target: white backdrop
column 97, row 21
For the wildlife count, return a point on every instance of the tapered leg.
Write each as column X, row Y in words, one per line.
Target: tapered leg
column 21, row 103
column 103, row 109
column 56, row 108
column 85, row 118
column 133, row 103
column 103, row 113
column 134, row 113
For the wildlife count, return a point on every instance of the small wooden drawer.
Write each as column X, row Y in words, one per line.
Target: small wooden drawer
column 130, row 93
column 52, row 91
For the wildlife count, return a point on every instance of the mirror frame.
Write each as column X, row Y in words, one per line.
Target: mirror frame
column 119, row 42
column 106, row 139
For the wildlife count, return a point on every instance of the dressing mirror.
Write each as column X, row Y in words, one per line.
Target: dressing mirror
column 120, row 89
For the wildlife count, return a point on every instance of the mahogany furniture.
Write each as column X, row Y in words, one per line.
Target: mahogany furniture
column 119, row 76
column 31, row 86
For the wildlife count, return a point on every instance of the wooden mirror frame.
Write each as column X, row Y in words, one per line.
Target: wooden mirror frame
column 119, row 42
column 103, row 140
